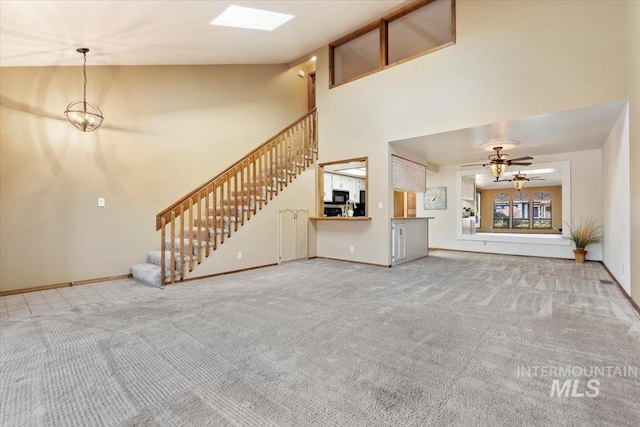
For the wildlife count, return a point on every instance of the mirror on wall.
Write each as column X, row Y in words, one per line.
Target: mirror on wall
column 342, row 188
column 530, row 201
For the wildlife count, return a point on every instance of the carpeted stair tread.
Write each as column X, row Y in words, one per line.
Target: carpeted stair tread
column 177, row 244
column 154, row 257
column 147, row 273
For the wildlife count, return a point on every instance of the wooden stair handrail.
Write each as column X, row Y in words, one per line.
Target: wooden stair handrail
column 194, row 194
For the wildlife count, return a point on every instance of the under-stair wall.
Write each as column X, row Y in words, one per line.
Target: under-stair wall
column 258, row 238
column 200, row 223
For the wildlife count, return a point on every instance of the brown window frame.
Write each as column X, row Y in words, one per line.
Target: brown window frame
column 383, row 24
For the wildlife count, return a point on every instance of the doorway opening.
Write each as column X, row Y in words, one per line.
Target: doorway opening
column 311, row 90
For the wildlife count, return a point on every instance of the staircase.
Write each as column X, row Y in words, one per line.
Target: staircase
column 198, row 224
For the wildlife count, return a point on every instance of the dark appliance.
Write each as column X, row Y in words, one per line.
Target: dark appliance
column 332, row 211
column 362, row 196
column 359, row 210
column 340, row 197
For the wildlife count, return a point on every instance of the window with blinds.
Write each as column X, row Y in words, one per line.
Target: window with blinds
column 407, row 175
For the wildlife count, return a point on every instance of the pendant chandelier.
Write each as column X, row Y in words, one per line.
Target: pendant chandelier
column 81, row 114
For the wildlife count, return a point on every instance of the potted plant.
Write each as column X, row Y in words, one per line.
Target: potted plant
column 582, row 235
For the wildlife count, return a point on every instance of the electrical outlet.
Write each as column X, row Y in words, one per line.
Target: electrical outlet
column 101, row 202
column 352, row 249
column 239, row 255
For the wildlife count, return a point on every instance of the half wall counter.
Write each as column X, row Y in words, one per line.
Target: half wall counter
column 409, row 239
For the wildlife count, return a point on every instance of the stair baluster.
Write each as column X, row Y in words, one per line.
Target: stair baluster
column 241, row 190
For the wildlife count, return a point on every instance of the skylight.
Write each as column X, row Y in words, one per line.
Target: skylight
column 255, row 19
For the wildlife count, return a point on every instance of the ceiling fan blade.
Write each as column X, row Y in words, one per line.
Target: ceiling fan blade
column 476, row 164
column 503, row 180
column 537, row 179
column 522, row 158
column 517, row 163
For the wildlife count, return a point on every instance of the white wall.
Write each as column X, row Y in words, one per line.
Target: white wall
column 512, row 59
column 633, row 80
column 616, row 205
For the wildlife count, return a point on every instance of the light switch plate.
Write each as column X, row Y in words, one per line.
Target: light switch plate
column 101, row 202
column 379, row 205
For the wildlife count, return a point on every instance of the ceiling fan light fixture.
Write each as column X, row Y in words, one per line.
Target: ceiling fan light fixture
column 498, row 169
column 518, row 184
column 491, row 145
column 81, row 114
column 498, row 158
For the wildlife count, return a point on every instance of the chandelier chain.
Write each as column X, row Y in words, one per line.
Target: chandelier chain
column 84, row 72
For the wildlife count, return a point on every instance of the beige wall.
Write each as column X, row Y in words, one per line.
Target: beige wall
column 511, row 60
column 166, row 130
column 486, row 208
column 259, row 238
column 633, row 38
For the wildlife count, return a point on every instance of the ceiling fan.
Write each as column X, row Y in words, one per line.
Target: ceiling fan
column 519, row 179
column 498, row 162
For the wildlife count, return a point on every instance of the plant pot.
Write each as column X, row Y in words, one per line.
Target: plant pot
column 580, row 255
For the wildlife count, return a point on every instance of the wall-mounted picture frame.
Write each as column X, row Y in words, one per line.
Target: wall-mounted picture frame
column 435, row 198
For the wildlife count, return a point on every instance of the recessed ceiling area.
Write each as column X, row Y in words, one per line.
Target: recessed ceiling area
column 548, row 177
column 171, row 32
column 560, row 132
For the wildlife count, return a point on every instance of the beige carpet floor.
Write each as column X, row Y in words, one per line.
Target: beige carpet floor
column 453, row 339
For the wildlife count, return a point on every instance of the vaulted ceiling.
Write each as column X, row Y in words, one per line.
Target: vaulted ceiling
column 172, row 32
column 141, row 32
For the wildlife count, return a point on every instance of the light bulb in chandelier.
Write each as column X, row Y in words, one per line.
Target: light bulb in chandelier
column 498, row 169
column 81, row 114
column 518, row 184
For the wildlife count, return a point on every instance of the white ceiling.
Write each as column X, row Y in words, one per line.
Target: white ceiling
column 560, row 132
column 147, row 32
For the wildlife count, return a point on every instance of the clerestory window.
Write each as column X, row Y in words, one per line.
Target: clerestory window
column 416, row 29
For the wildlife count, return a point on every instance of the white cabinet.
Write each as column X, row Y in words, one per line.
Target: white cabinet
column 409, row 240
column 354, row 191
column 345, row 183
column 293, row 233
column 398, row 242
column 328, row 187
